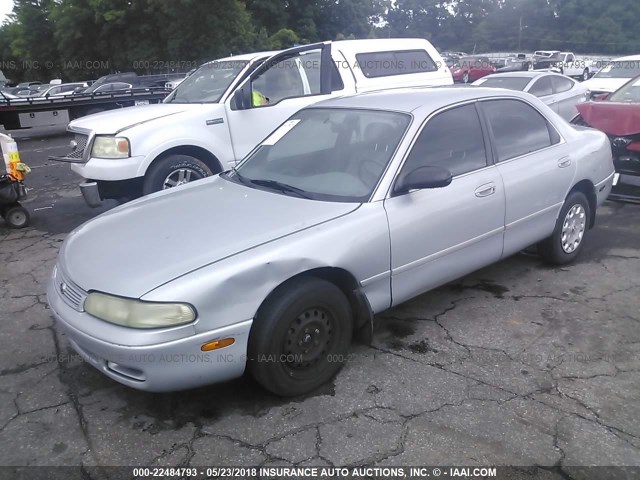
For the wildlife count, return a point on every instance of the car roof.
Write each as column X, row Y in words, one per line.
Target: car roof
column 629, row 57
column 523, row 74
column 408, row 100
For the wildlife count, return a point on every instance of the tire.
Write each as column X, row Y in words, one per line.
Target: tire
column 177, row 169
column 585, row 75
column 16, row 217
column 310, row 310
column 572, row 225
column 465, row 77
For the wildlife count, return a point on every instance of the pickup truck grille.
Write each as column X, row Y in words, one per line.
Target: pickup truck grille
column 79, row 143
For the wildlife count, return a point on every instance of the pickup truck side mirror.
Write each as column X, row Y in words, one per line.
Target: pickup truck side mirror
column 422, row 178
column 241, row 99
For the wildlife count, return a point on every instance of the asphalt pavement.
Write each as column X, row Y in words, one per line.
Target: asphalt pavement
column 518, row 364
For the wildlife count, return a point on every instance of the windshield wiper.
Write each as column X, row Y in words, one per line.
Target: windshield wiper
column 279, row 186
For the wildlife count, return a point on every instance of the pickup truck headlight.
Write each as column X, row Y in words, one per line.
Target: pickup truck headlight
column 137, row 313
column 111, row 147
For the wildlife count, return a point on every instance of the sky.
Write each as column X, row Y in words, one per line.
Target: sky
column 5, row 9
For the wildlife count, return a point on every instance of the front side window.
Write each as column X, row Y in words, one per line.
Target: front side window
column 518, row 128
column 291, row 77
column 451, row 140
column 331, row 154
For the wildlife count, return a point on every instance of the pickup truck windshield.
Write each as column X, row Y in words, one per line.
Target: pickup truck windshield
column 325, row 154
column 208, row 83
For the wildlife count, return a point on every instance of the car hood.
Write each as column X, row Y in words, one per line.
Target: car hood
column 139, row 246
column 611, row 117
column 115, row 121
column 608, row 85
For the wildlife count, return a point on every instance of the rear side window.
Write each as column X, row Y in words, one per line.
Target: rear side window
column 542, row 87
column 385, row 64
column 452, row 140
column 518, row 128
column 561, row 84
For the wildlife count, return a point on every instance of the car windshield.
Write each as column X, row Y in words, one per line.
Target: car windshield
column 208, row 83
column 511, row 83
column 325, row 154
column 620, row 69
column 630, row 92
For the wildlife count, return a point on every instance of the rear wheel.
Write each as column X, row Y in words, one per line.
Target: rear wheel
column 567, row 239
column 465, row 77
column 16, row 217
column 300, row 337
column 585, row 75
column 172, row 171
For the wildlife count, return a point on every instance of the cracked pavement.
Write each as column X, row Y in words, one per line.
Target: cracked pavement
column 517, row 364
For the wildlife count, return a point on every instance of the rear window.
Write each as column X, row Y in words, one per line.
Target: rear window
column 385, row 64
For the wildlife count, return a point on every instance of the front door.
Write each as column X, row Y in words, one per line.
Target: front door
column 276, row 90
column 438, row 235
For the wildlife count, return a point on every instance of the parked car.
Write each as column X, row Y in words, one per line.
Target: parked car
column 220, row 113
column 280, row 277
column 618, row 115
column 62, row 89
column 561, row 93
column 563, row 62
column 470, row 69
column 515, row 65
column 614, row 75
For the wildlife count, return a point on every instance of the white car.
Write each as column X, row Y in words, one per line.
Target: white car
column 614, row 74
column 216, row 116
column 561, row 93
column 564, row 62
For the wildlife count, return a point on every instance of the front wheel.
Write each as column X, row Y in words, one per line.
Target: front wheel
column 300, row 337
column 172, row 171
column 465, row 77
column 567, row 239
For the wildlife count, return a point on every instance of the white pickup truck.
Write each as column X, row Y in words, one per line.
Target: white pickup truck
column 220, row 112
column 564, row 62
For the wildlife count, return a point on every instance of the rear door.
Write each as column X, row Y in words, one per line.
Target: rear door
column 537, row 168
column 438, row 235
column 566, row 96
column 276, row 90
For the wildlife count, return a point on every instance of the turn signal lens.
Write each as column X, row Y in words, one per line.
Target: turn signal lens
column 217, row 344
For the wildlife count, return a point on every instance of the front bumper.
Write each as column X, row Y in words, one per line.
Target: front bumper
column 110, row 169
column 161, row 367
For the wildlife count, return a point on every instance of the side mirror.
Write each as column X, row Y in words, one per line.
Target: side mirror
column 422, row 178
column 241, row 99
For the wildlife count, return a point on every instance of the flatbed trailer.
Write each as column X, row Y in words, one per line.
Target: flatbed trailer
column 60, row 110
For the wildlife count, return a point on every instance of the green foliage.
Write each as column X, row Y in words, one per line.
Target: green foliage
column 82, row 39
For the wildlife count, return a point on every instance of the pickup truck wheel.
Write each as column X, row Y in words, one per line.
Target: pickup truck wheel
column 300, row 337
column 585, row 75
column 174, row 170
column 566, row 241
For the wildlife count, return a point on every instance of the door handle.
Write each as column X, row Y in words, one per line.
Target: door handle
column 485, row 190
column 564, row 162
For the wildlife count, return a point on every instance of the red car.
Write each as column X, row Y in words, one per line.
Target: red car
column 618, row 115
column 470, row 69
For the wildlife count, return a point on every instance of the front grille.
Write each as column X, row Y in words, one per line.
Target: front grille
column 80, row 141
column 73, row 295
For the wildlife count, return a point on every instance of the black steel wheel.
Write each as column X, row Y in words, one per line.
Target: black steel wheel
column 300, row 338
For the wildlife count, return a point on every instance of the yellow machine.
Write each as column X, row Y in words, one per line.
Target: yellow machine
column 12, row 187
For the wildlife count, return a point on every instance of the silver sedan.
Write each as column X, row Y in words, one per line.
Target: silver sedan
column 559, row 92
column 351, row 207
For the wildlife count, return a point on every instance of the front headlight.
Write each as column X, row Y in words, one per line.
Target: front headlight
column 136, row 313
column 111, row 147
